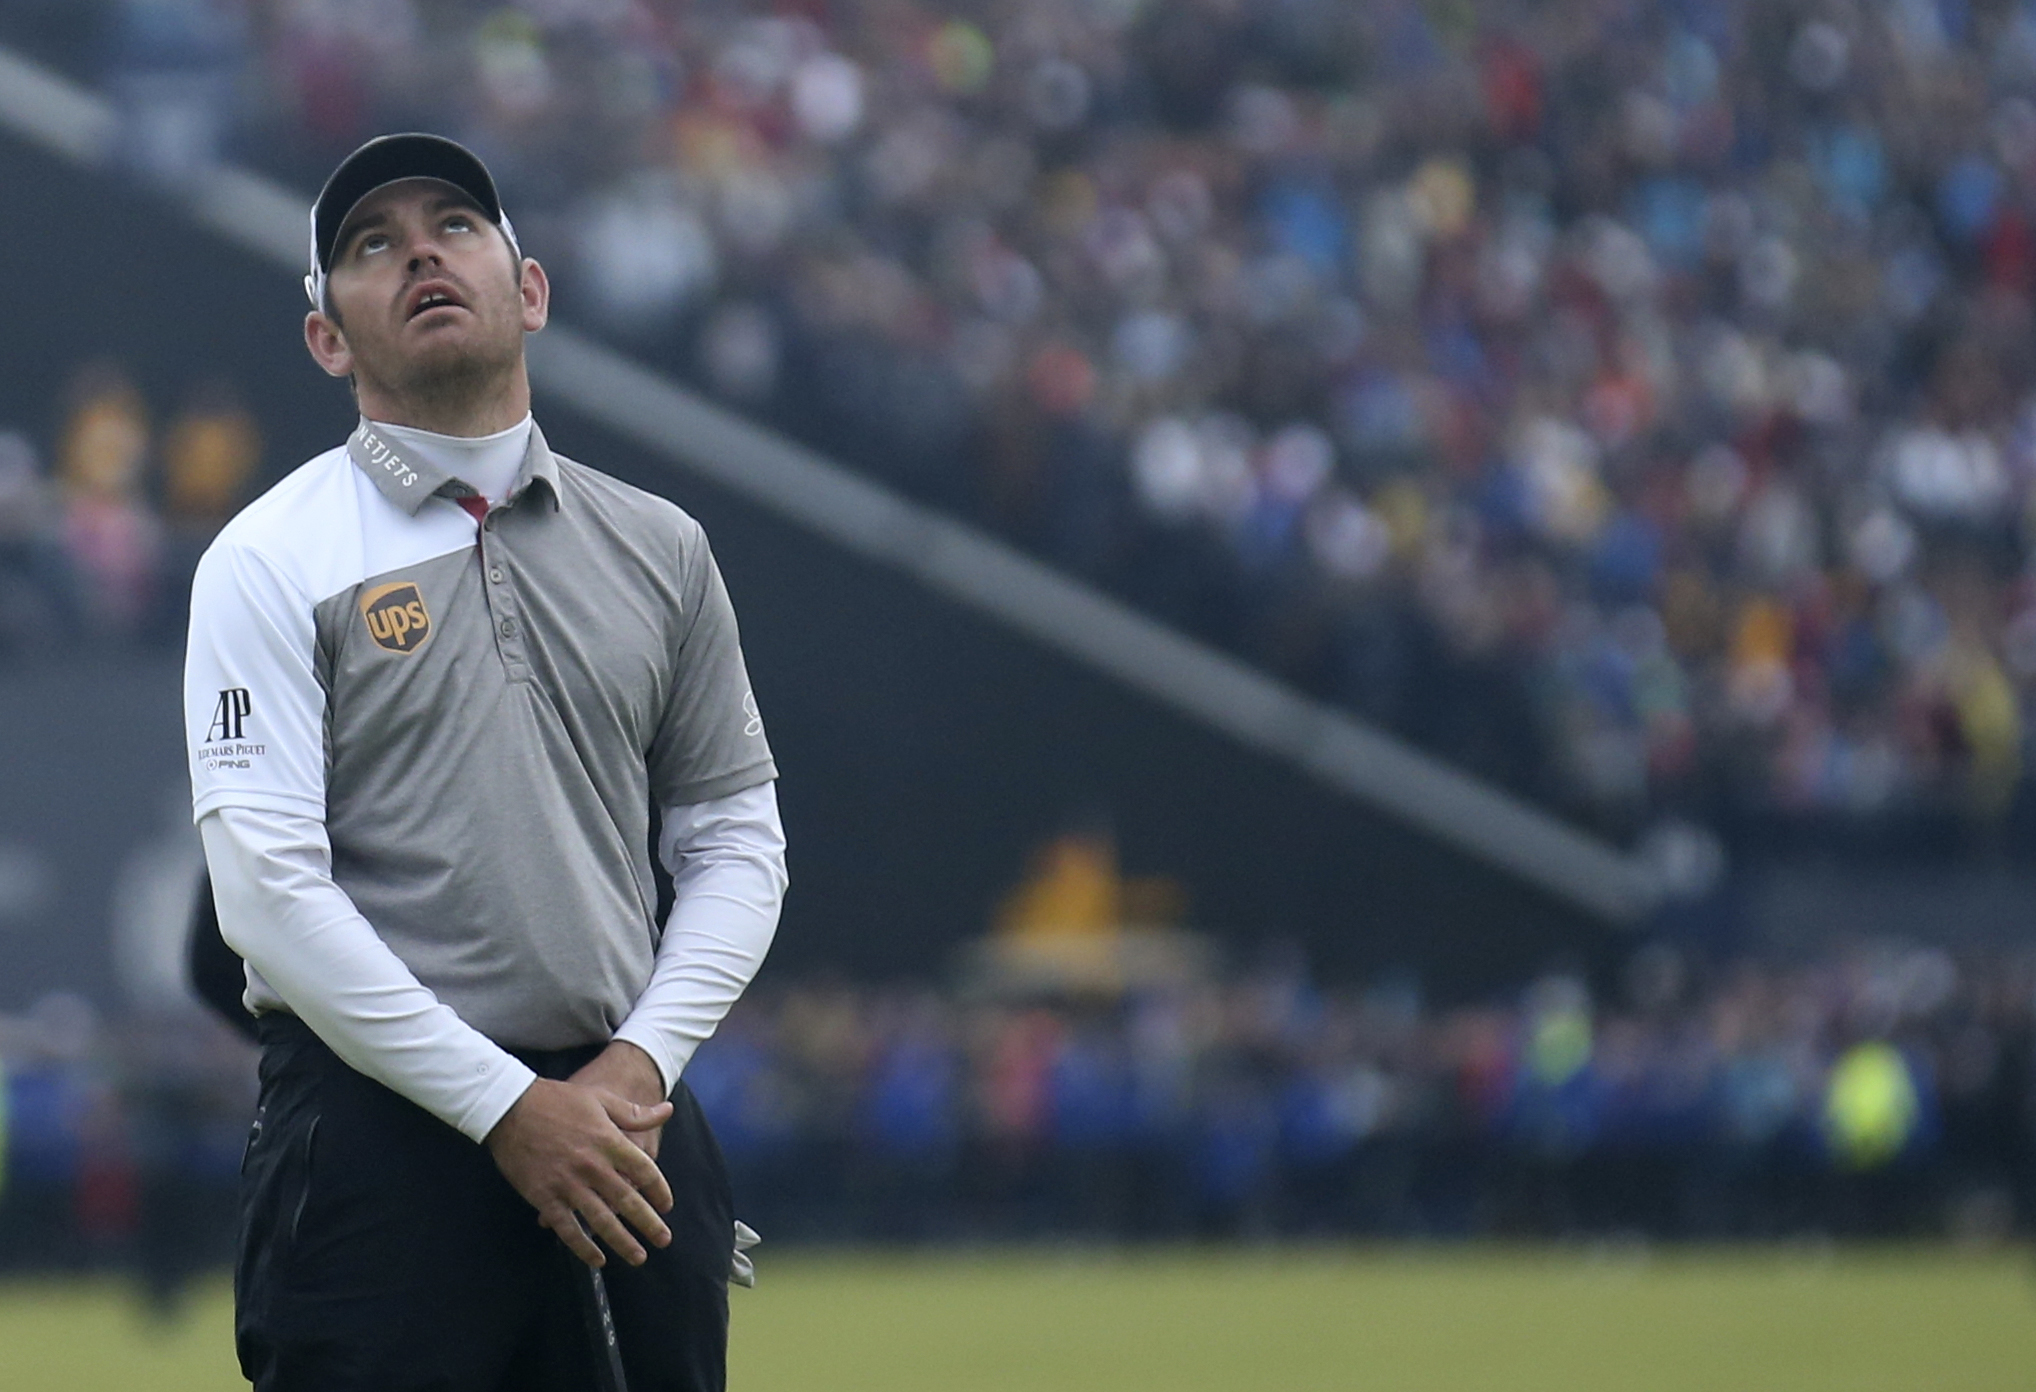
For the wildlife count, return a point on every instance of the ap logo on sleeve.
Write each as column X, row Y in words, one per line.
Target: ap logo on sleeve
column 225, row 745
column 229, row 716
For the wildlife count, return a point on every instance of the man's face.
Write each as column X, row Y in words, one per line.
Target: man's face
column 425, row 293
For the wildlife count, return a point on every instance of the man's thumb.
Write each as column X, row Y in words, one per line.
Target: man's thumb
column 631, row 1116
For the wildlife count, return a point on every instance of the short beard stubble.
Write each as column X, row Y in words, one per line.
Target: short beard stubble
column 446, row 385
column 450, row 385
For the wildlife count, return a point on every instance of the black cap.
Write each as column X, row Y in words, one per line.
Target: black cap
column 385, row 160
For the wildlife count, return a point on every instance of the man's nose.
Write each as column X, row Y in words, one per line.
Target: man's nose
column 425, row 251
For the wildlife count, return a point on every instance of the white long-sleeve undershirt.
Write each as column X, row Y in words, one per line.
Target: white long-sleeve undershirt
column 727, row 862
column 310, row 951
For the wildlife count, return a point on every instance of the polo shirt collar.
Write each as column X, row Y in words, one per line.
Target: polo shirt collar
column 539, row 466
column 407, row 481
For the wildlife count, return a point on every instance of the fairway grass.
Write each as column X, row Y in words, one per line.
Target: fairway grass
column 1446, row 1320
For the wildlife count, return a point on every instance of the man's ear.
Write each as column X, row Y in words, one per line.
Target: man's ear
column 327, row 342
column 536, row 291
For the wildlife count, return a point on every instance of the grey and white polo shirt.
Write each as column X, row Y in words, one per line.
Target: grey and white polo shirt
column 482, row 714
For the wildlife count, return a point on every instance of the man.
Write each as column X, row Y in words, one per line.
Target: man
column 438, row 679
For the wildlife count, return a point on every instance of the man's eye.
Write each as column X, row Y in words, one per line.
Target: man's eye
column 459, row 224
column 374, row 241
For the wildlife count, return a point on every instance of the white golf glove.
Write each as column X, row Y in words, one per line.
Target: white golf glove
column 741, row 1270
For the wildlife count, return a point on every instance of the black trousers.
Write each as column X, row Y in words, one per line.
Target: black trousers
column 382, row 1251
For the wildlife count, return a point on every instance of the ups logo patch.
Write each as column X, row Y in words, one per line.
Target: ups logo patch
column 396, row 616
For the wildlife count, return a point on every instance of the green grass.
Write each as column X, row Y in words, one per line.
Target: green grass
column 1405, row 1321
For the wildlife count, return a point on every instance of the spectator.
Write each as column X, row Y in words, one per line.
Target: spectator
column 211, row 456
column 113, row 538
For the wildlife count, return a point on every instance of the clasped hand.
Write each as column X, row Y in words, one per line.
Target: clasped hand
column 581, row 1153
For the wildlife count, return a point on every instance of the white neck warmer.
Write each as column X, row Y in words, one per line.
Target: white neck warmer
column 485, row 463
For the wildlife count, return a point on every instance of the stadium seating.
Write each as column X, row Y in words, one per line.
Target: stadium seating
column 1633, row 405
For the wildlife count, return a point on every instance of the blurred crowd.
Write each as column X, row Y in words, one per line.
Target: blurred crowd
column 102, row 523
column 1888, row 1092
column 1884, row 1092
column 1632, row 401
column 120, row 1142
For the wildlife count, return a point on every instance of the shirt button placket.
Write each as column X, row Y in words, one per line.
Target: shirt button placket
column 509, row 635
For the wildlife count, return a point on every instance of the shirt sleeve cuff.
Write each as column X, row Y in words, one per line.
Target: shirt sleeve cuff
column 259, row 800
column 508, row 1079
column 723, row 785
column 670, row 1055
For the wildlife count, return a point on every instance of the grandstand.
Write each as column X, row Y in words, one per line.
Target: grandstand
column 1631, row 412
column 1407, row 623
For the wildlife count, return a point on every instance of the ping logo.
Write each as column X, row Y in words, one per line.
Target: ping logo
column 396, row 616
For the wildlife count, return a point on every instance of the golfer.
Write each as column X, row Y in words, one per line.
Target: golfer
column 440, row 681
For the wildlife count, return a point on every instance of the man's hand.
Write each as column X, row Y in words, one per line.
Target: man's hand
column 628, row 1073
column 566, row 1148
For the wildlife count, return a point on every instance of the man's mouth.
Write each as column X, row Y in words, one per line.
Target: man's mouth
column 428, row 298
